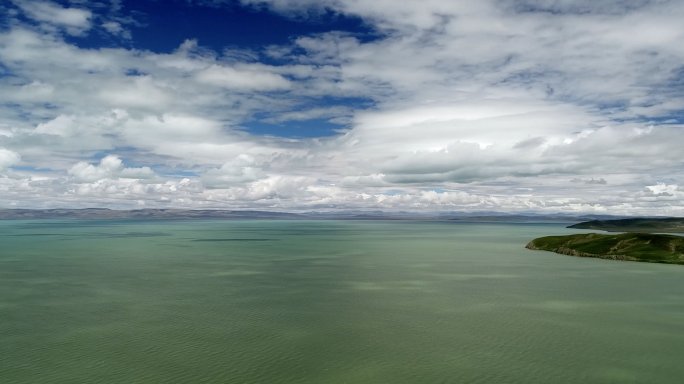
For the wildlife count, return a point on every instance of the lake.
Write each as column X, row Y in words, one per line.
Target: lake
column 116, row 301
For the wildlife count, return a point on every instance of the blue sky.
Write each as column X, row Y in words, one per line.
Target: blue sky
column 162, row 26
column 300, row 105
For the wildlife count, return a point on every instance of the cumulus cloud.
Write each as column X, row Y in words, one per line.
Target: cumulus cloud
column 115, row 28
column 450, row 198
column 486, row 105
column 140, row 93
column 75, row 20
column 530, row 143
column 663, row 190
column 8, row 158
column 249, row 78
column 600, row 181
column 243, row 169
column 109, row 167
column 338, row 113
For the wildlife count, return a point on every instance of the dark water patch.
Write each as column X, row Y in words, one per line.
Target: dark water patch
column 235, row 240
column 132, row 234
column 37, row 235
column 92, row 235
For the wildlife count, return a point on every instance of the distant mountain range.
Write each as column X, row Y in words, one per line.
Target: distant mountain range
column 217, row 214
column 142, row 214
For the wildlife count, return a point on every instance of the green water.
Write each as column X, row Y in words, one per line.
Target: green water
column 327, row 302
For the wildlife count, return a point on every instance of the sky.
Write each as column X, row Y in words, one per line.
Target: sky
column 520, row 106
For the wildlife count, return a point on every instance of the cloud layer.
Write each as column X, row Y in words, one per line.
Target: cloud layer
column 531, row 105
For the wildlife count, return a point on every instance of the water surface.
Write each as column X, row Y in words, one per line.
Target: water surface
column 327, row 302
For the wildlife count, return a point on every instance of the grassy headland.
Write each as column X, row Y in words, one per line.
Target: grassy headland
column 644, row 247
column 647, row 225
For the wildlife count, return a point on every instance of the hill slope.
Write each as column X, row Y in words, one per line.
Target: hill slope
column 648, row 225
column 628, row 246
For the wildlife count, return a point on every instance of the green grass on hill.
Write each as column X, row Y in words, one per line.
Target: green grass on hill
column 644, row 247
column 648, row 225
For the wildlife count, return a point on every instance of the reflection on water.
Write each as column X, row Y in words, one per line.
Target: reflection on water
column 327, row 302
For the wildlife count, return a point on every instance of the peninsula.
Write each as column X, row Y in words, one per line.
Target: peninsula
column 645, row 247
column 646, row 225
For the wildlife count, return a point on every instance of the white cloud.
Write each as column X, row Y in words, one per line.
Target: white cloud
column 75, row 20
column 8, row 158
column 600, row 181
column 115, row 28
column 60, row 126
column 247, row 78
column 664, row 190
column 450, row 198
column 532, row 105
column 140, row 93
column 110, row 167
column 314, row 113
column 243, row 169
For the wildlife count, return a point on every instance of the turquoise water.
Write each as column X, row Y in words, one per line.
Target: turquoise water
column 327, row 302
